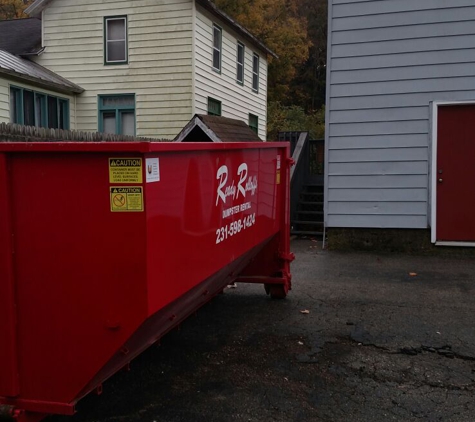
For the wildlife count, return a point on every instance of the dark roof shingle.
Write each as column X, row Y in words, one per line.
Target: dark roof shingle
column 230, row 130
column 21, row 37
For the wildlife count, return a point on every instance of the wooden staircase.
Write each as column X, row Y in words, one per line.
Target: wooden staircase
column 308, row 218
column 307, row 184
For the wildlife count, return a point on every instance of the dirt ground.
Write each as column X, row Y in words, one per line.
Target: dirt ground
column 386, row 338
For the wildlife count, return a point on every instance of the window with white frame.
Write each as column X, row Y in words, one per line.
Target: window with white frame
column 115, row 43
column 240, row 63
column 117, row 114
column 255, row 72
column 217, row 47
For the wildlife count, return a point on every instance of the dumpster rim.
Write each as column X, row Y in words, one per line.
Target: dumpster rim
column 138, row 147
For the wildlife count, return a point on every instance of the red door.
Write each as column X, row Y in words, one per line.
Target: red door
column 456, row 174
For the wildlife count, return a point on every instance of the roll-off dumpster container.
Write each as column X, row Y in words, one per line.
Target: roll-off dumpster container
column 104, row 247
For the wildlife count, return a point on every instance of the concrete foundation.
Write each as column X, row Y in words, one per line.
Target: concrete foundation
column 388, row 240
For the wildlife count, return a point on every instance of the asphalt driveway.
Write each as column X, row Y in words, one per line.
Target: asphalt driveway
column 381, row 338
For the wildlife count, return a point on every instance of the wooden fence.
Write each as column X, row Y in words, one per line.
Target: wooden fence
column 18, row 133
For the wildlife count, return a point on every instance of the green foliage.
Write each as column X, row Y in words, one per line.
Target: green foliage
column 309, row 85
column 297, row 31
column 283, row 29
column 13, row 9
column 282, row 118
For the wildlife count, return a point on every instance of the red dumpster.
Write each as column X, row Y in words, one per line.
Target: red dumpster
column 104, row 247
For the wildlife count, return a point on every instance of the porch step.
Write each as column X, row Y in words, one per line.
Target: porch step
column 308, row 233
column 311, row 197
column 307, row 223
column 310, row 203
column 308, row 218
column 310, row 212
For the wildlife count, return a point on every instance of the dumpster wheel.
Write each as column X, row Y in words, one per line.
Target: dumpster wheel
column 276, row 291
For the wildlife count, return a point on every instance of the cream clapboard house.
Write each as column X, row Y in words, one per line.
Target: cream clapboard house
column 143, row 67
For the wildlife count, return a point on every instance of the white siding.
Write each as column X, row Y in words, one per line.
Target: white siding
column 159, row 71
column 388, row 60
column 238, row 101
column 5, row 99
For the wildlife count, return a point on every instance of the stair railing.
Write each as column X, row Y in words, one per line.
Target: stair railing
column 298, row 172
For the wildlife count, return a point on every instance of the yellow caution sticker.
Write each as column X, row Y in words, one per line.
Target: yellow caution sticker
column 125, row 170
column 277, row 179
column 126, row 198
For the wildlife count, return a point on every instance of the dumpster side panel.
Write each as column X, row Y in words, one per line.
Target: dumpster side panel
column 8, row 343
column 275, row 258
column 80, row 272
column 89, row 286
column 208, row 209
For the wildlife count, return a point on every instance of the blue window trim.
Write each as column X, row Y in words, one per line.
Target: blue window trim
column 118, row 112
column 62, row 103
column 44, row 105
column 18, row 93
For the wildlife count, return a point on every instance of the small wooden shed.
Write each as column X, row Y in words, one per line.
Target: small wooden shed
column 204, row 128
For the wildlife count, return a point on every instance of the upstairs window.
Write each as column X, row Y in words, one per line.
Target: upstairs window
column 254, row 123
column 240, row 63
column 115, row 33
column 217, row 47
column 214, row 107
column 33, row 108
column 255, row 72
column 117, row 114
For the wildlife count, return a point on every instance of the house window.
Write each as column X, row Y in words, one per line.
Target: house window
column 214, row 107
column 115, row 34
column 254, row 123
column 117, row 114
column 217, row 47
column 32, row 108
column 255, row 73
column 16, row 115
column 240, row 63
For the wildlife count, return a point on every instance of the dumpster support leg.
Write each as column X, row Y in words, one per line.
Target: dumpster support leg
column 22, row 416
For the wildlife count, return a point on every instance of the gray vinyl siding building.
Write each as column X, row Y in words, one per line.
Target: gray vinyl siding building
column 389, row 62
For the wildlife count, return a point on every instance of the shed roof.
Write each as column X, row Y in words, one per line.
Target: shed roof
column 21, row 36
column 203, row 128
column 37, row 6
column 26, row 70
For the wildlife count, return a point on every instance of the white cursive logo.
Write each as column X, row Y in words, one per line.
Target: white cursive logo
column 244, row 185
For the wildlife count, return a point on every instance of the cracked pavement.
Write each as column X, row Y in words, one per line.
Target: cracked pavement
column 378, row 344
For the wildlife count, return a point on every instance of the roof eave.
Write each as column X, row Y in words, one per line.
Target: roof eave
column 196, row 122
column 42, row 83
column 36, row 7
column 33, row 53
column 206, row 4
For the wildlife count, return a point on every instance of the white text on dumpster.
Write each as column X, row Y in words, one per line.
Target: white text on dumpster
column 235, row 190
